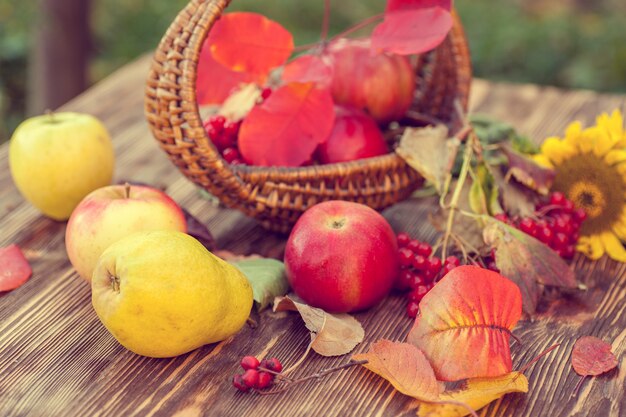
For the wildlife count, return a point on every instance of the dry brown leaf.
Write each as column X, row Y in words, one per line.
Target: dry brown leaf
column 331, row 334
column 238, row 105
column 405, row 367
column 476, row 393
column 429, row 151
column 527, row 171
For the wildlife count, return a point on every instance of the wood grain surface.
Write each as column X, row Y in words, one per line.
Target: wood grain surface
column 56, row 359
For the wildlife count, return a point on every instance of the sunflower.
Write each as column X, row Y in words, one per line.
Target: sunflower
column 590, row 166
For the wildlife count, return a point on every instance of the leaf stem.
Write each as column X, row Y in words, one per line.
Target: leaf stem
column 360, row 25
column 541, row 355
column 299, row 361
column 579, row 385
column 325, row 21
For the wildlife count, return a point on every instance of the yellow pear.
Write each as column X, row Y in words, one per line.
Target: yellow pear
column 57, row 159
column 162, row 294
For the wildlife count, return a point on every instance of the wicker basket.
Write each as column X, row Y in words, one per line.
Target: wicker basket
column 277, row 196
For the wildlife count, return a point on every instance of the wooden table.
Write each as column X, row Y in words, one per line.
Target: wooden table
column 56, row 359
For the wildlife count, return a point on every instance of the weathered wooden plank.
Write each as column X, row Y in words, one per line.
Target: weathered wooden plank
column 57, row 359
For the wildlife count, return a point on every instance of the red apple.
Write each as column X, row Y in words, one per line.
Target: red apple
column 341, row 257
column 113, row 212
column 381, row 84
column 355, row 135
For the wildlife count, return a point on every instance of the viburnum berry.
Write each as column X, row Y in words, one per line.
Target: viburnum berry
column 265, row 380
column 266, row 92
column 412, row 308
column 528, row 226
column 434, row 265
column 419, row 292
column 502, row 217
column 273, row 364
column 239, row 383
column 452, row 260
column 419, row 262
column 424, row 249
column 403, row 239
column 251, row 378
column 405, row 256
column 249, row 362
column 230, row 154
column 413, row 245
column 231, row 130
column 580, row 215
column 557, row 198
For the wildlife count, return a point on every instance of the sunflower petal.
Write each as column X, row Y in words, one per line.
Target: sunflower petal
column 542, row 160
column 619, row 228
column 615, row 156
column 613, row 246
column 572, row 133
column 599, row 140
column 557, row 150
column 590, row 246
column 613, row 124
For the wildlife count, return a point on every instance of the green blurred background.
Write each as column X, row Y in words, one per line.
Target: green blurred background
column 567, row 43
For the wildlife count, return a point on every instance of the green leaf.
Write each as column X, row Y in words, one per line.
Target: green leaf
column 267, row 277
column 484, row 193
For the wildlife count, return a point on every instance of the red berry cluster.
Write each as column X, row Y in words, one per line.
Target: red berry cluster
column 255, row 374
column 419, row 269
column 224, row 133
column 557, row 224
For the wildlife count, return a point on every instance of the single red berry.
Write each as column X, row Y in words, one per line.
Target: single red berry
column 237, row 162
column 428, row 275
column 580, row 215
column 239, row 383
column 405, row 281
column 250, row 378
column 265, row 380
column 545, row 234
column 493, row 266
column 452, row 260
column 231, row 130
column 574, row 236
column 502, row 217
column 541, row 223
column 434, row 265
column 417, row 280
column 230, row 154
column 568, row 252
column 419, row 262
column 249, row 362
column 419, row 292
column 528, row 226
column 413, row 245
column 447, row 268
column 212, row 133
column 266, row 92
column 562, row 224
column 557, row 198
column 568, row 206
column 559, row 241
column 412, row 308
column 217, row 122
column 405, row 256
column 403, row 239
column 273, row 364
column 424, row 249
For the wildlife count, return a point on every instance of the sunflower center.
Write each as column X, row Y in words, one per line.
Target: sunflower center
column 595, row 186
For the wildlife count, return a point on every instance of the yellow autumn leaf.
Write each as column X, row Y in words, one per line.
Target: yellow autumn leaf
column 477, row 393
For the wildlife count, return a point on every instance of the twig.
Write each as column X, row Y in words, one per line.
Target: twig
column 421, row 118
column 325, row 21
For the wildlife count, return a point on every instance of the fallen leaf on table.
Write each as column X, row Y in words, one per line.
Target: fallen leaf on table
column 429, row 151
column 238, row 104
column 14, row 268
column 199, row 230
column 528, row 172
column 591, row 357
column 405, row 367
column 267, row 277
column 527, row 262
column 331, row 334
column 465, row 324
column 476, row 393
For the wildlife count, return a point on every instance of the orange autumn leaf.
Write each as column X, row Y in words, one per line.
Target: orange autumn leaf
column 465, row 324
column 215, row 82
column 287, row 127
column 475, row 394
column 405, row 367
column 309, row 68
column 250, row 42
column 592, row 356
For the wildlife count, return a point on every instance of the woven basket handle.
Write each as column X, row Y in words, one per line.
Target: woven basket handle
column 171, row 105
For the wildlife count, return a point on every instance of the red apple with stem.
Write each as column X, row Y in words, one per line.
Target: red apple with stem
column 341, row 257
column 381, row 84
column 355, row 135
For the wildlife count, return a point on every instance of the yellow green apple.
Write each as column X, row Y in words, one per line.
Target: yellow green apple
column 110, row 213
column 58, row 158
column 162, row 294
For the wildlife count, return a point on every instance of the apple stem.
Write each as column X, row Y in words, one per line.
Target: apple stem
column 126, row 190
column 115, row 283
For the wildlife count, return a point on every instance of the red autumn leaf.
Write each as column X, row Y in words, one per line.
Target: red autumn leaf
column 405, row 367
column 14, row 268
column 411, row 31
column 308, row 68
column 287, row 128
column 393, row 5
column 592, row 356
column 215, row 82
column 465, row 324
column 250, row 42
